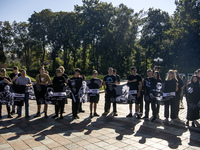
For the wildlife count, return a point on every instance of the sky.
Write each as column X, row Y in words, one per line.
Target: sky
column 21, row 10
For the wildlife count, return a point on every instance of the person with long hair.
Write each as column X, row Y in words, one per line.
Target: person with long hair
column 42, row 79
column 170, row 88
column 179, row 93
column 155, row 102
column 193, row 101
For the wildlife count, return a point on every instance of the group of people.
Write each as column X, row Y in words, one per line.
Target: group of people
column 150, row 91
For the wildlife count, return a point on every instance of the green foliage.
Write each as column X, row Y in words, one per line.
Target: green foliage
column 98, row 35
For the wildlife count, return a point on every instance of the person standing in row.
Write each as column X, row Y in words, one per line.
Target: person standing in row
column 94, row 85
column 193, row 101
column 170, row 88
column 179, row 93
column 23, row 80
column 75, row 83
column 149, row 84
column 5, row 81
column 13, row 76
column 66, row 79
column 159, row 82
column 135, row 84
column 117, row 76
column 108, row 82
column 42, row 79
column 59, row 82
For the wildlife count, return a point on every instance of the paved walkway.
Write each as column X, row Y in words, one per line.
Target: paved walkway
column 96, row 133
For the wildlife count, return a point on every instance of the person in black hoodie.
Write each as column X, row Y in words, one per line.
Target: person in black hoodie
column 170, row 88
column 193, row 101
column 149, row 84
column 58, row 83
column 75, row 83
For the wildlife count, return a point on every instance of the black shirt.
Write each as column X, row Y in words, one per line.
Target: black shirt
column 75, row 83
column 109, row 79
column 170, row 86
column 117, row 77
column 94, row 84
column 180, row 84
column 3, row 83
column 12, row 75
column 58, row 83
column 134, row 85
column 65, row 76
column 149, row 84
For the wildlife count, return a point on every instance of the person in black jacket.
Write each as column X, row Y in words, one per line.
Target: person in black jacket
column 170, row 88
column 193, row 101
column 13, row 76
column 58, row 84
column 75, row 83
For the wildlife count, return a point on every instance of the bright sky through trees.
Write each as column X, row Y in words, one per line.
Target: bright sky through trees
column 21, row 10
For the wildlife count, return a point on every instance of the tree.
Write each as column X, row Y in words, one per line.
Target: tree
column 39, row 27
column 155, row 24
column 5, row 38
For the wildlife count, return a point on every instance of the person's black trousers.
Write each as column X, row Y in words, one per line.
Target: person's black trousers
column 177, row 103
column 75, row 106
column 108, row 103
column 170, row 103
column 60, row 104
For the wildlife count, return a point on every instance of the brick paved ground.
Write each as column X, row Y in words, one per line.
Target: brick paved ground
column 96, row 133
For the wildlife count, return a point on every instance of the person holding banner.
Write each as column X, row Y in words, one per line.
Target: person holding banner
column 75, row 83
column 135, row 84
column 158, row 93
column 13, row 76
column 4, row 81
column 26, row 81
column 59, row 82
column 169, row 95
column 149, row 84
column 108, row 82
column 66, row 78
column 94, row 87
column 193, row 102
column 42, row 80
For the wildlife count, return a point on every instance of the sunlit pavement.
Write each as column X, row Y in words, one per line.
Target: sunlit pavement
column 96, row 133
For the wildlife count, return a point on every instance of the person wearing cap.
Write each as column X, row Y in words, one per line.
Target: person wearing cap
column 5, row 81
column 94, row 85
column 59, row 82
column 108, row 82
column 13, row 76
column 42, row 79
column 75, row 83
column 23, row 80
column 135, row 84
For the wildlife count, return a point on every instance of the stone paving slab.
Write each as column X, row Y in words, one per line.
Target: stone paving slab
column 96, row 133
